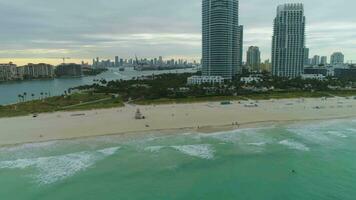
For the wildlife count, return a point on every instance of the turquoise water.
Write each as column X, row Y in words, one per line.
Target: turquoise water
column 9, row 91
column 241, row 164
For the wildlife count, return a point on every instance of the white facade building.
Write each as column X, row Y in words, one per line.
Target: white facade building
column 319, row 77
column 337, row 58
column 288, row 42
column 8, row 72
column 198, row 80
column 250, row 79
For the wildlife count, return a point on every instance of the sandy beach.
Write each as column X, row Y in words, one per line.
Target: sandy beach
column 200, row 117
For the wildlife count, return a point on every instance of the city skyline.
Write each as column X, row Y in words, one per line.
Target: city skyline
column 36, row 30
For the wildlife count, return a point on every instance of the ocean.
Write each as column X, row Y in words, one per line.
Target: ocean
column 296, row 161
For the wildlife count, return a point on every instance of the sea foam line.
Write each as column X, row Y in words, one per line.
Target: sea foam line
column 204, row 151
column 56, row 168
column 294, row 145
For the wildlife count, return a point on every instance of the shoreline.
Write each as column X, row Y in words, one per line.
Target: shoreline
column 202, row 130
column 168, row 119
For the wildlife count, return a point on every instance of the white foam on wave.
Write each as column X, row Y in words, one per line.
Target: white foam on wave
column 352, row 130
column 230, row 136
column 312, row 134
column 28, row 146
column 257, row 144
column 294, row 145
column 56, row 168
column 336, row 133
column 204, row 151
column 154, row 148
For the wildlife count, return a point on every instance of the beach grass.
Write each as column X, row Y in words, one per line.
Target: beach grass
column 78, row 101
column 251, row 96
column 90, row 101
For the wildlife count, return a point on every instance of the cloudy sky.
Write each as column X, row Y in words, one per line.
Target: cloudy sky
column 83, row 29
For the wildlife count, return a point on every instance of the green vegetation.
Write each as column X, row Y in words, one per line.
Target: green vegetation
column 252, row 96
column 172, row 88
column 78, row 101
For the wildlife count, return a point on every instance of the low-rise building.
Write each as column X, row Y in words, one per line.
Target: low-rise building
column 316, row 70
column 250, row 79
column 319, row 77
column 345, row 73
column 8, row 72
column 198, row 80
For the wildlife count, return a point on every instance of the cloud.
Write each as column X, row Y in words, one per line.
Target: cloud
column 149, row 28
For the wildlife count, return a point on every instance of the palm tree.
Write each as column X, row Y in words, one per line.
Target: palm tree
column 33, row 96
column 41, row 95
column 24, row 95
column 19, row 96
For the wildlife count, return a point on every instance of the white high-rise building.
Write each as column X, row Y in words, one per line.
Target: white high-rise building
column 337, row 58
column 288, row 43
column 222, row 38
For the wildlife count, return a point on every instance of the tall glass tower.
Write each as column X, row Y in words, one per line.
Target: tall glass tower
column 288, row 42
column 222, row 38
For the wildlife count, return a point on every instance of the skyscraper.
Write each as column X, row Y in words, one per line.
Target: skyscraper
column 306, row 57
column 222, row 38
column 253, row 59
column 117, row 61
column 288, row 42
column 337, row 58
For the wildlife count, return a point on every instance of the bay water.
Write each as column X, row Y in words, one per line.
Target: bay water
column 9, row 91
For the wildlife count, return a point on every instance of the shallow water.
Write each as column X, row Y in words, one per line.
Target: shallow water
column 241, row 164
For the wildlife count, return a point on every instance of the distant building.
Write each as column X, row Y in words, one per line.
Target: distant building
column 198, row 80
column 319, row 77
column 117, row 61
column 323, row 60
column 35, row 71
column 337, row 58
column 69, row 70
column 288, row 43
column 345, row 73
column 316, row 70
column 315, row 60
column 251, row 79
column 8, row 72
column 121, row 62
column 306, row 57
column 253, row 59
column 222, row 38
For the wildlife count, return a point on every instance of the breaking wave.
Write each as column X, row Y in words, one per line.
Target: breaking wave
column 294, row 145
column 51, row 169
column 204, row 151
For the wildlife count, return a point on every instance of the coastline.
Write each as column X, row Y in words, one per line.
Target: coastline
column 171, row 119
